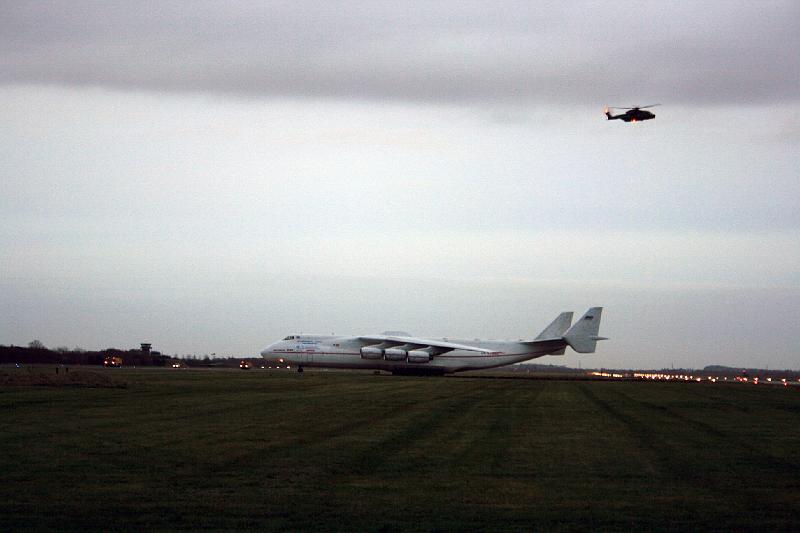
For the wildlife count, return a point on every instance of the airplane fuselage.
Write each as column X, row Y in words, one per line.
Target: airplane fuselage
column 400, row 353
column 330, row 351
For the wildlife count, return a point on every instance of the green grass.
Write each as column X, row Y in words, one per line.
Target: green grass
column 336, row 451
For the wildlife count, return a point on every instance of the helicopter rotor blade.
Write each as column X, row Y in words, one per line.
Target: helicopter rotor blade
column 634, row 107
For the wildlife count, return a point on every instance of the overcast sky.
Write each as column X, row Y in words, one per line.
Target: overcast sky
column 212, row 176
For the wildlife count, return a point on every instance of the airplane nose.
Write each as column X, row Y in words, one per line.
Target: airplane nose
column 268, row 350
column 273, row 357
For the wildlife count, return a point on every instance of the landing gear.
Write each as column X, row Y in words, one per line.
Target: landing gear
column 299, row 369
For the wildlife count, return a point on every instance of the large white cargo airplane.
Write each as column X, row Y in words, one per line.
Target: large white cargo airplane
column 400, row 353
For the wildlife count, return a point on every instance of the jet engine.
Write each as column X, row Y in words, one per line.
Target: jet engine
column 419, row 356
column 371, row 352
column 395, row 354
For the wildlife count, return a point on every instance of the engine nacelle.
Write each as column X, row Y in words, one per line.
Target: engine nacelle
column 370, row 352
column 419, row 356
column 395, row 354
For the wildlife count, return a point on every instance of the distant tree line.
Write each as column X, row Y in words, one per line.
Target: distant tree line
column 37, row 353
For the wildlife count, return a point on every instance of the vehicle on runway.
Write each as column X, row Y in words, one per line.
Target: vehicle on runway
column 401, row 353
column 633, row 114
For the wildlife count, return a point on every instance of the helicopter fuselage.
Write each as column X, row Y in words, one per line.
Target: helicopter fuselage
column 634, row 115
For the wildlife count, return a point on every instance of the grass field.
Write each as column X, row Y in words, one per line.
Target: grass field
column 336, row 451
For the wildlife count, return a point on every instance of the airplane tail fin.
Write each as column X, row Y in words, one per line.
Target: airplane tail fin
column 582, row 336
column 557, row 327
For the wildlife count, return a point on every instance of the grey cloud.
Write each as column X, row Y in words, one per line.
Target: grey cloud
column 208, row 223
column 515, row 52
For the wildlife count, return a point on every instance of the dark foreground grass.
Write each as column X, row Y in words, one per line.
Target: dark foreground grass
column 58, row 376
column 334, row 451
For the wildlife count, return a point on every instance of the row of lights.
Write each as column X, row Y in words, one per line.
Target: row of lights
column 712, row 379
column 678, row 377
column 606, row 374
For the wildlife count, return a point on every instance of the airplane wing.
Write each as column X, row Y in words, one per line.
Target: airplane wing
column 421, row 343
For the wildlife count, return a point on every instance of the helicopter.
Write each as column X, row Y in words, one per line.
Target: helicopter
column 634, row 114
